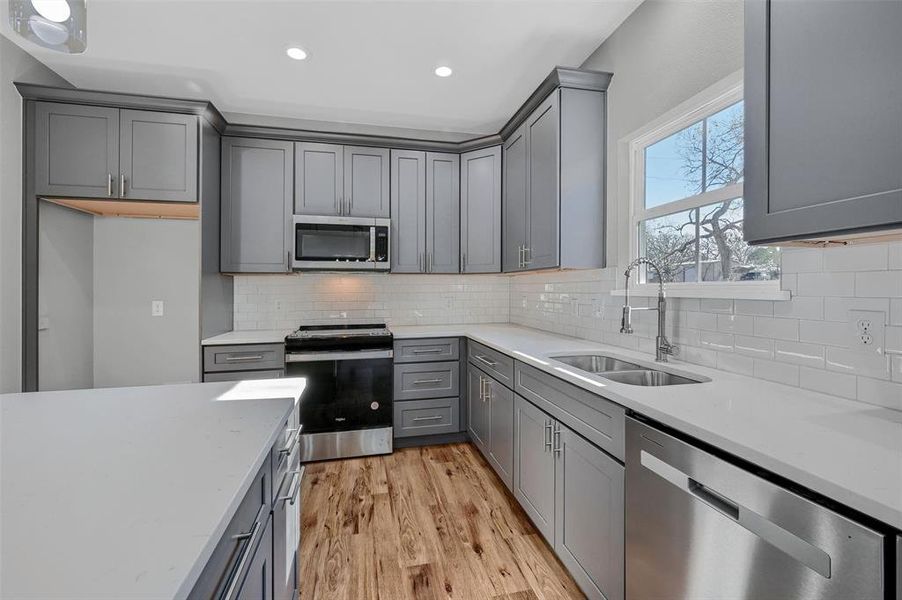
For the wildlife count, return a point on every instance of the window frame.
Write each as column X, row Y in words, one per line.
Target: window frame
column 704, row 105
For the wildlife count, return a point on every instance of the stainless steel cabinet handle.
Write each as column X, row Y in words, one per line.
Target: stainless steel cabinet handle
column 557, row 439
column 527, row 252
column 289, row 447
column 423, row 381
column 463, row 263
column 483, row 359
column 482, row 388
column 293, row 489
column 250, row 538
column 428, row 351
column 242, row 358
column 435, row 418
column 520, row 257
column 109, row 184
column 548, row 435
column 122, row 186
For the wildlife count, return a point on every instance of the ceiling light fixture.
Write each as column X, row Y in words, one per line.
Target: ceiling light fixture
column 59, row 25
column 443, row 71
column 296, row 53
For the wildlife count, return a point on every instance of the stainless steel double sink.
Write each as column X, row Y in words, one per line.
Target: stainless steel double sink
column 622, row 371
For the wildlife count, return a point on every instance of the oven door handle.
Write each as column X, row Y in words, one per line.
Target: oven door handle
column 294, row 357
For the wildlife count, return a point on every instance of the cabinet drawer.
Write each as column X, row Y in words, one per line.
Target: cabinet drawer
column 242, row 375
column 410, row 351
column 498, row 365
column 600, row 421
column 429, row 380
column 245, row 357
column 427, row 417
column 251, row 517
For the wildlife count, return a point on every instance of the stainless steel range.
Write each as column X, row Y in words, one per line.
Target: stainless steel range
column 347, row 405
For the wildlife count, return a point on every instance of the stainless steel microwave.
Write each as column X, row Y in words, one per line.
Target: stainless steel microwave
column 340, row 243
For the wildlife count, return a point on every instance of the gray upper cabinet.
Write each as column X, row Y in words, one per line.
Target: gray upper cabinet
column 534, row 465
column 99, row 152
column 157, row 156
column 76, row 150
column 366, row 179
column 257, row 183
column 480, row 211
column 320, row 179
column 823, row 119
column 514, row 207
column 442, row 213
column 542, row 140
column 554, row 182
column 408, row 207
column 589, row 510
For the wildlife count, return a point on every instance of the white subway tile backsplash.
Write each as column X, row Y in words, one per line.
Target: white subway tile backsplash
column 736, row 363
column 837, row 309
column 826, row 284
column 895, row 255
column 856, row 258
column 801, row 260
column 881, row 393
column 743, row 324
column 827, row 382
column 879, row 283
column 854, row 362
column 809, row 355
column 800, row 307
column 716, row 305
column 721, row 342
column 763, row 308
column 753, row 346
column 777, row 372
column 825, row 332
column 778, row 329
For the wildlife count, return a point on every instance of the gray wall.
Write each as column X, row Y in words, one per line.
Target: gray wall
column 66, row 298
column 663, row 54
column 15, row 65
column 137, row 261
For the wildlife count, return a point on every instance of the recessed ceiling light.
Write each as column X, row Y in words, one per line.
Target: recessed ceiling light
column 52, row 10
column 443, row 71
column 296, row 53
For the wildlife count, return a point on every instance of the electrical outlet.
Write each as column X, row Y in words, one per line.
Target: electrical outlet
column 279, row 305
column 156, row 308
column 868, row 329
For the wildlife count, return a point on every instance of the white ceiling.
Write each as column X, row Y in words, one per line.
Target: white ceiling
column 370, row 61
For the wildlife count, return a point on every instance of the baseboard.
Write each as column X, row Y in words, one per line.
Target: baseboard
column 432, row 440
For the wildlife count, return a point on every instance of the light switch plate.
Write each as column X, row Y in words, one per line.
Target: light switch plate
column 156, row 308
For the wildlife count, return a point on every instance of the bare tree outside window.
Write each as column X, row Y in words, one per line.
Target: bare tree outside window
column 704, row 243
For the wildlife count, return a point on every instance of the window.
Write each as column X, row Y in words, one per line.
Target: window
column 686, row 205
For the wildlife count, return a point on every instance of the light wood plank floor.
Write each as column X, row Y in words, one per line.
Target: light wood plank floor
column 431, row 522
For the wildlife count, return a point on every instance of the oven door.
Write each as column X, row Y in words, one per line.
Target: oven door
column 336, row 243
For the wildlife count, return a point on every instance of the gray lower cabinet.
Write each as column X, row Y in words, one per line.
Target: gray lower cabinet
column 426, row 380
column 589, row 516
column 426, row 350
column 258, row 583
column 427, row 397
column 480, row 211
column 366, row 182
column 823, row 120
column 425, row 201
column 319, row 183
column 491, row 423
column 442, row 213
column 76, row 150
column 548, row 188
column 573, row 492
column 101, row 152
column 477, row 409
column 426, row 417
column 257, row 190
column 408, row 208
column 158, row 156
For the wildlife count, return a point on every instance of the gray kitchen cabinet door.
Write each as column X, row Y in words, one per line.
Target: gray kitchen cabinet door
column 477, row 409
column 158, row 156
column 515, row 207
column 319, row 179
column 589, row 511
column 534, row 465
column 480, row 211
column 366, row 175
column 823, row 118
column 442, row 213
column 76, row 151
column 543, row 149
column 408, row 208
column 257, row 584
column 501, row 436
column 257, row 182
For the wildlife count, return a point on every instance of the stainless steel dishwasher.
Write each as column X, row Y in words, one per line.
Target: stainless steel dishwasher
column 699, row 527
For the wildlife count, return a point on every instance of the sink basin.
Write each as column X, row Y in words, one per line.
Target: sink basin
column 596, row 363
column 648, row 377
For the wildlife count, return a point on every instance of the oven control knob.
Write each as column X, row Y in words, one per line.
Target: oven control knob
column 374, row 405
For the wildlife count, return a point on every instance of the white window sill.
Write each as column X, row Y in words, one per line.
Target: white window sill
column 764, row 290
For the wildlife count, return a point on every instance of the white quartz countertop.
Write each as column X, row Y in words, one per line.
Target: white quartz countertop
column 848, row 451
column 124, row 492
column 250, row 336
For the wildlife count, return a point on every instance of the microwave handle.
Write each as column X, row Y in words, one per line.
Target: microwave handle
column 372, row 244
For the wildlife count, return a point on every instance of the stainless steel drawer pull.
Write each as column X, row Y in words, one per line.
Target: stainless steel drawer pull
column 289, row 447
column 109, row 184
column 293, row 488
column 241, row 358
column 548, row 435
column 250, row 538
column 435, row 418
column 483, row 359
column 427, row 351
column 557, row 439
column 424, row 381
column 122, row 186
